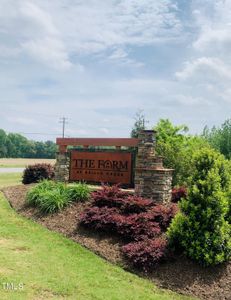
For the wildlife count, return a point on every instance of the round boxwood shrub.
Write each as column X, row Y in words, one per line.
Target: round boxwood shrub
column 201, row 229
column 37, row 172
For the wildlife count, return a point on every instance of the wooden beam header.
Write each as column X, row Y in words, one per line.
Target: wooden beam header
column 116, row 142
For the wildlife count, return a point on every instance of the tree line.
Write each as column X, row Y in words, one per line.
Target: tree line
column 17, row 146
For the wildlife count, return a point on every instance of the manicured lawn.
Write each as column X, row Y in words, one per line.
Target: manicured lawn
column 8, row 179
column 50, row 266
column 22, row 162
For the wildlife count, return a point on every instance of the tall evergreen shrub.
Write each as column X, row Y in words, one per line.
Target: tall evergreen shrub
column 202, row 229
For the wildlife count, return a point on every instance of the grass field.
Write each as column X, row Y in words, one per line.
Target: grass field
column 22, row 162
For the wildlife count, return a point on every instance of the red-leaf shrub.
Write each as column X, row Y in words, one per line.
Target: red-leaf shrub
column 163, row 214
column 178, row 193
column 139, row 221
column 136, row 227
column 99, row 218
column 135, row 204
column 109, row 192
column 130, row 227
column 37, row 172
column 133, row 227
column 112, row 196
column 145, row 254
column 148, row 224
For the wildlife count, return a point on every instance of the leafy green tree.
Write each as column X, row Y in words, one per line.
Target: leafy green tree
column 177, row 149
column 201, row 229
column 140, row 124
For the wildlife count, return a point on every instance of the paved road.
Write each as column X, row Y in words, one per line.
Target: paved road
column 11, row 170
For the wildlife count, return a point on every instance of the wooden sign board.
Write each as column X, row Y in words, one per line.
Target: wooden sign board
column 107, row 167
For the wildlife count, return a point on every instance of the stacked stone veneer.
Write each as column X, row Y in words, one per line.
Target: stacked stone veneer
column 152, row 180
column 62, row 166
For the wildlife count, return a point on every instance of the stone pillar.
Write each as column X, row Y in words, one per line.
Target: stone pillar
column 152, row 180
column 62, row 166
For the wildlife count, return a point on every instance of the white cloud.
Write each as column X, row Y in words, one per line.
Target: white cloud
column 28, row 29
column 214, row 25
column 50, row 51
column 50, row 32
column 21, row 121
column 43, row 45
column 38, row 17
column 207, row 66
column 118, row 54
column 208, row 70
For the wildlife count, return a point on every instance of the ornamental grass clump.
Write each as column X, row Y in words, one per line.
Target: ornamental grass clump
column 52, row 201
column 78, row 192
column 49, row 196
column 33, row 196
column 201, row 229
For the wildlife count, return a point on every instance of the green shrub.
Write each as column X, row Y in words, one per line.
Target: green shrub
column 37, row 172
column 201, row 229
column 78, row 192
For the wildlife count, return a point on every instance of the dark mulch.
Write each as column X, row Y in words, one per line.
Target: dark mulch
column 180, row 275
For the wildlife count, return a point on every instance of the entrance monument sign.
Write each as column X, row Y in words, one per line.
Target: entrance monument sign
column 129, row 161
column 111, row 167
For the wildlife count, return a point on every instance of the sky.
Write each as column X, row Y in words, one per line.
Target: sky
column 99, row 62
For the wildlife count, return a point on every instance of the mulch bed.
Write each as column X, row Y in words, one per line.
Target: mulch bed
column 180, row 275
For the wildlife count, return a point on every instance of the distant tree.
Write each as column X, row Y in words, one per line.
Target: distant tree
column 140, row 124
column 3, row 139
column 16, row 145
column 50, row 149
column 220, row 138
column 19, row 145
